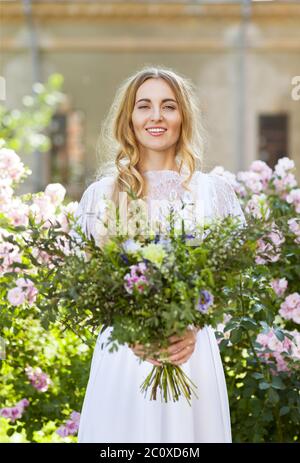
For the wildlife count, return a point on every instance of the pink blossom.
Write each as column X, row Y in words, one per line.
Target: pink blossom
column 270, row 252
column 24, row 291
column 5, row 412
column 10, row 254
column 294, row 198
column 16, row 412
column 16, row 296
column 17, row 212
column 296, row 345
column 62, row 218
column 257, row 206
column 281, row 363
column 284, row 184
column 294, row 227
column 42, row 257
column 56, row 193
column 6, row 193
column 266, row 253
column 75, row 416
column 290, row 308
column 39, row 380
column 136, row 278
column 283, row 166
column 279, row 286
column 71, row 427
column 222, row 326
column 11, row 165
column 62, row 243
column 276, row 237
column 30, row 290
column 43, row 210
column 269, row 340
column 62, row 431
column 263, row 170
column 251, row 180
column 23, row 403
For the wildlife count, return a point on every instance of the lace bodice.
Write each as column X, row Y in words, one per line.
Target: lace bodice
column 212, row 193
column 165, row 184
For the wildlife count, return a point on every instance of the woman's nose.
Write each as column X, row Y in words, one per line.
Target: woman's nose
column 156, row 115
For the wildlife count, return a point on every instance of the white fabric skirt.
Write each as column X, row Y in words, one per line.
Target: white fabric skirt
column 115, row 410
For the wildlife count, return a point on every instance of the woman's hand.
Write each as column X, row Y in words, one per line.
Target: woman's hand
column 181, row 348
column 179, row 351
column 139, row 350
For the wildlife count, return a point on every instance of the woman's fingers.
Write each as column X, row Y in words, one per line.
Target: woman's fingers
column 178, row 352
column 139, row 350
column 182, row 356
column 154, row 362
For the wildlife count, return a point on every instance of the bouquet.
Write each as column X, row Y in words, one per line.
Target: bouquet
column 147, row 288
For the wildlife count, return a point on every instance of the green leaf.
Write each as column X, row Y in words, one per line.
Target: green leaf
column 236, row 335
column 257, row 375
column 277, row 383
column 10, row 431
column 249, row 324
column 273, row 396
column 263, row 385
column 284, row 410
column 279, row 334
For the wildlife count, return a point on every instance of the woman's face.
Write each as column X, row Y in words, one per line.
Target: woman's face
column 156, row 106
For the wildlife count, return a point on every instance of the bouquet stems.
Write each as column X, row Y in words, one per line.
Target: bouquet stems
column 171, row 381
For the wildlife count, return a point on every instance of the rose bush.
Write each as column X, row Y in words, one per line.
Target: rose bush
column 262, row 354
column 43, row 372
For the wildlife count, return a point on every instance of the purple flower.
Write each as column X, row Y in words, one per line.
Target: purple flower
column 124, row 258
column 205, row 300
column 136, row 278
column 71, row 426
column 39, row 380
column 62, row 431
column 131, row 246
column 16, row 412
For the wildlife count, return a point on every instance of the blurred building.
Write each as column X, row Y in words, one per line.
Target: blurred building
column 243, row 55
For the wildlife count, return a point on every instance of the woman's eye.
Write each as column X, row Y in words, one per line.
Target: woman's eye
column 170, row 107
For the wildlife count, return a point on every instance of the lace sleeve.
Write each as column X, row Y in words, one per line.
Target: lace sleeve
column 224, row 198
column 90, row 207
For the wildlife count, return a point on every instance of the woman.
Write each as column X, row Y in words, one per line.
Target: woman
column 155, row 136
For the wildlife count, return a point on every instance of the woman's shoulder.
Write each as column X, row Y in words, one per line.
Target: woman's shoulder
column 102, row 184
column 215, row 180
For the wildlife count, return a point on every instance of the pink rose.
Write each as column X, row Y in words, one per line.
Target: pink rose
column 290, row 308
column 279, row 286
column 56, row 193
column 16, row 296
column 294, row 198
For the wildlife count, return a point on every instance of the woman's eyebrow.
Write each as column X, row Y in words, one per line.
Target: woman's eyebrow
column 163, row 101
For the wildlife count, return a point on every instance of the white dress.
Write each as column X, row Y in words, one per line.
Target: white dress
column 114, row 409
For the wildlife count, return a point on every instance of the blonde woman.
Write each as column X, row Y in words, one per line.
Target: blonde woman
column 154, row 139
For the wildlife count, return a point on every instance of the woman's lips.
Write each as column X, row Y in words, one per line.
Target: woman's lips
column 156, row 134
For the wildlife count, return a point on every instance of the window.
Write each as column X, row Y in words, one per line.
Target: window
column 273, row 138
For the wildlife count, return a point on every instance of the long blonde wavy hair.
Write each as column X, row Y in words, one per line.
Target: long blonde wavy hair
column 117, row 147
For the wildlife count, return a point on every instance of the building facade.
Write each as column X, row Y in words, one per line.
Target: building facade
column 243, row 56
